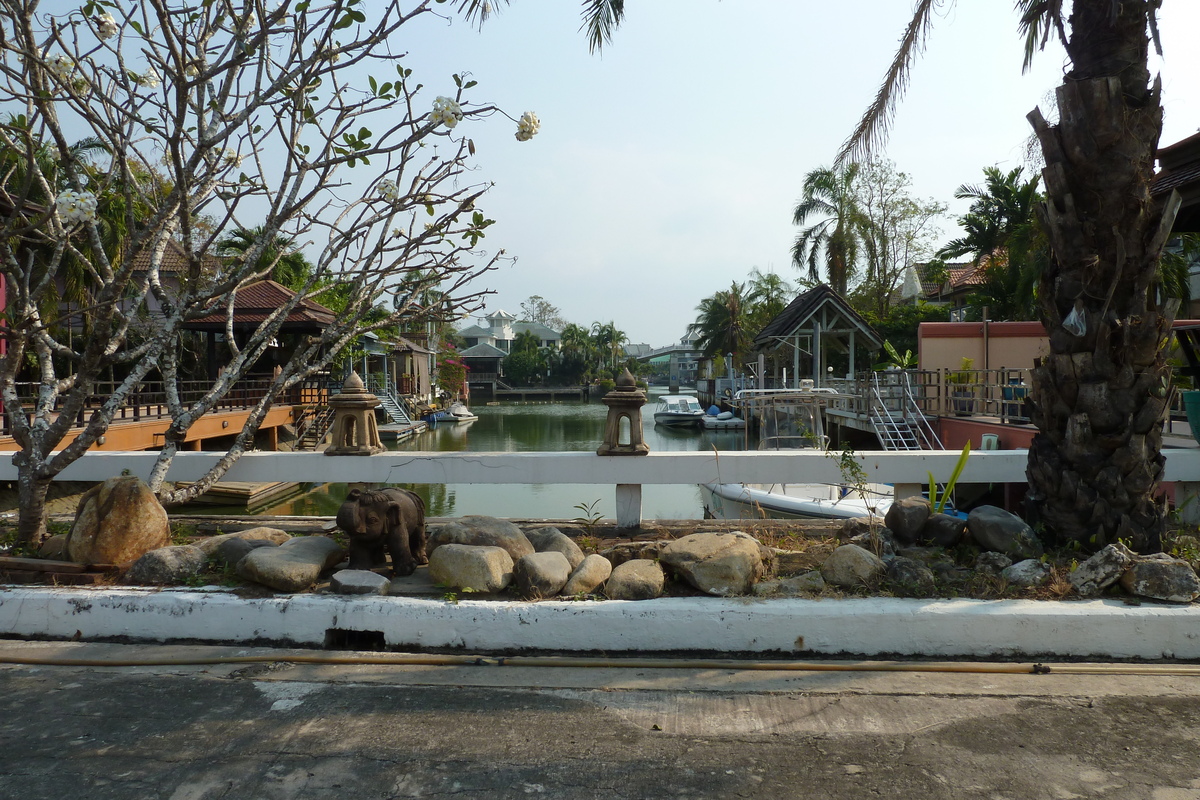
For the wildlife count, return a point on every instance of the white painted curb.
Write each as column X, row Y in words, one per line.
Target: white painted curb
column 868, row 627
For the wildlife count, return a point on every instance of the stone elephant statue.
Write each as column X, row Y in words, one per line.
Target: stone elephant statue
column 379, row 520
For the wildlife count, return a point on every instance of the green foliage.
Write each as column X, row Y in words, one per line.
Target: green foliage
column 591, row 517
column 939, row 504
column 895, row 359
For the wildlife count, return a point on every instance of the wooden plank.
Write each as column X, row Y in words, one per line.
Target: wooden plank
column 52, row 578
column 39, row 565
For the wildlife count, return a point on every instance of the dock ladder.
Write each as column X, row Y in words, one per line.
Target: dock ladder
column 896, row 417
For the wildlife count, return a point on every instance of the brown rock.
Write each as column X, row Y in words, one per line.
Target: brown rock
column 118, row 521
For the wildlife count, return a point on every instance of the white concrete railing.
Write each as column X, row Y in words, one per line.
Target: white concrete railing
column 906, row 470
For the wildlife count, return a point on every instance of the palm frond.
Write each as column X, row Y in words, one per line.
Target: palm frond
column 1039, row 18
column 600, row 19
column 873, row 127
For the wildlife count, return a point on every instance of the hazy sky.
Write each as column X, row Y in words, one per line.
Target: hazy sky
column 669, row 166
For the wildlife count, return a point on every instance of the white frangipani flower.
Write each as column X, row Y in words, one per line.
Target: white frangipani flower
column 191, row 70
column 446, row 111
column 61, row 65
column 73, row 206
column 527, row 126
column 150, row 78
column 231, row 158
column 388, row 190
column 106, row 26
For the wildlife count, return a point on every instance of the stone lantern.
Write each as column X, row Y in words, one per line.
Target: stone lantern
column 354, row 430
column 624, row 403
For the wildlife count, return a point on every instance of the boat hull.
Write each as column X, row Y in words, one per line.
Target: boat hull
column 676, row 420
column 804, row 501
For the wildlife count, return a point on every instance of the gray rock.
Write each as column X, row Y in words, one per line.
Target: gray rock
column 545, row 540
column 638, row 579
column 539, row 575
column 54, row 548
column 1162, row 577
column 166, row 566
column 1030, row 572
column 808, row 583
column 910, row 574
column 293, row 566
column 210, row 544
column 591, row 573
column 117, row 522
column 856, row 526
column 1102, row 570
column 358, row 581
column 481, row 531
column 231, row 551
column 721, row 564
column 851, row 566
column 906, row 518
column 992, row 563
column 944, row 530
column 481, row 568
column 995, row 529
column 618, row 554
column 878, row 541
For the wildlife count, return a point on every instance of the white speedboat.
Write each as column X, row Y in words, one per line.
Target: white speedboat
column 680, row 410
column 458, row 412
column 793, row 421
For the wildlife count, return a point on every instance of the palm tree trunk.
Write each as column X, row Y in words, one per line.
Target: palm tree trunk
column 1102, row 392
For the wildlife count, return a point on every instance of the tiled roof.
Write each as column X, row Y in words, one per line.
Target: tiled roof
column 483, row 350
column 175, row 260
column 254, row 303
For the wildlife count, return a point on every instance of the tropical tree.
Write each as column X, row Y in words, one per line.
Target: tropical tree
column 609, row 342
column 1101, row 394
column 208, row 117
column 275, row 257
column 1001, row 233
column 720, row 326
column 539, row 309
column 829, row 208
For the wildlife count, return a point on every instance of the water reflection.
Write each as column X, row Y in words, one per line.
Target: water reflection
column 530, row 427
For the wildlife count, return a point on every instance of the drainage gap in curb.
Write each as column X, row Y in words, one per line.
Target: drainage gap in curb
column 343, row 639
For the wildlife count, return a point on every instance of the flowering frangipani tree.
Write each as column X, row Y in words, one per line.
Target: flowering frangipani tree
column 140, row 134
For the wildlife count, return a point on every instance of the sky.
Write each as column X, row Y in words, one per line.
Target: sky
column 669, row 165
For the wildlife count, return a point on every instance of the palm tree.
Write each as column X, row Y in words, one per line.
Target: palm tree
column 720, row 326
column 609, row 341
column 1101, row 394
column 279, row 259
column 1000, row 231
column 833, row 236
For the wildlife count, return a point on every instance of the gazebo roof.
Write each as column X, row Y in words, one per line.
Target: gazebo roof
column 801, row 312
column 1179, row 165
column 483, row 350
column 257, row 301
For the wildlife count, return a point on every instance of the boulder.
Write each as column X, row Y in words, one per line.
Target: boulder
column 906, row 518
column 910, row 574
column 545, row 540
column 1161, row 577
column 721, row 564
column 480, row 568
column 231, row 551
column 1030, row 572
column 618, row 554
column 54, row 548
column 992, row 563
column 857, row 526
column 944, row 530
column 808, row 583
column 540, row 575
column 851, row 566
column 1102, row 570
column 117, row 521
column 358, row 581
column 293, row 566
column 482, row 532
column 995, row 529
column 166, row 566
column 878, row 541
column 639, row 579
column 210, row 544
column 591, row 573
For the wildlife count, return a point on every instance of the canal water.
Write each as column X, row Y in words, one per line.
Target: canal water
column 529, row 427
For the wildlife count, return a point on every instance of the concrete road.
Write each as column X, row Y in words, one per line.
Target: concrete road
column 287, row 730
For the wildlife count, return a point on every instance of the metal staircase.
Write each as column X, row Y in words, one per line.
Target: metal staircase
column 389, row 402
column 897, row 419
column 312, row 426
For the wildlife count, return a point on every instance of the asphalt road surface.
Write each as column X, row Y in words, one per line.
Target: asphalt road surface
column 284, row 730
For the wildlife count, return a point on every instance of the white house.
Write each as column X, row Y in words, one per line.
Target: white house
column 500, row 328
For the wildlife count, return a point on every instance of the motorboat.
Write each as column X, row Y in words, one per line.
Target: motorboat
column 458, row 412
column 793, row 421
column 679, row 410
